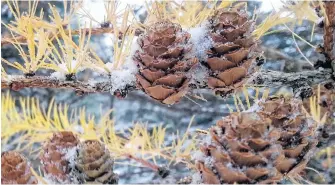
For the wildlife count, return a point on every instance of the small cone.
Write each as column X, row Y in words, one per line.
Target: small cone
column 230, row 59
column 94, row 164
column 259, row 147
column 54, row 156
column 15, row 169
column 163, row 68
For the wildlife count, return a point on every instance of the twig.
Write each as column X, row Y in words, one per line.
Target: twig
column 162, row 171
column 143, row 162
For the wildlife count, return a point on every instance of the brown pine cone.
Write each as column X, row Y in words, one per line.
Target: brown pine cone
column 56, row 155
column 163, row 68
column 259, row 147
column 15, row 169
column 230, row 59
column 94, row 164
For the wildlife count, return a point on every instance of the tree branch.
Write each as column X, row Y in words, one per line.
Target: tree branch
column 301, row 82
column 265, row 78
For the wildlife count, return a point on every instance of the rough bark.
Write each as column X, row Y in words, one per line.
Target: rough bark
column 301, row 82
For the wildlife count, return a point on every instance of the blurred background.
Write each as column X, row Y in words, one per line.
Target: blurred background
column 279, row 50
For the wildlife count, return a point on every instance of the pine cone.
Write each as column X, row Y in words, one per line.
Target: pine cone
column 56, row 153
column 15, row 169
column 230, row 58
column 163, row 67
column 94, row 164
column 259, row 147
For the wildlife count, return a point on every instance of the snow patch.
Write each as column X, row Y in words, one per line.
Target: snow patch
column 58, row 75
column 70, row 155
column 120, row 78
column 78, row 128
column 196, row 178
column 64, row 70
column 209, row 161
column 199, row 75
column 201, row 41
column 198, row 156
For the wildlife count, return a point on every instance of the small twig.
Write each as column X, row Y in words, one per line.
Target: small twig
column 143, row 162
column 162, row 171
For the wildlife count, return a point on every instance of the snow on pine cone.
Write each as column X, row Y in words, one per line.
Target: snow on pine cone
column 231, row 58
column 94, row 164
column 163, row 68
column 15, row 169
column 258, row 147
column 56, row 155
